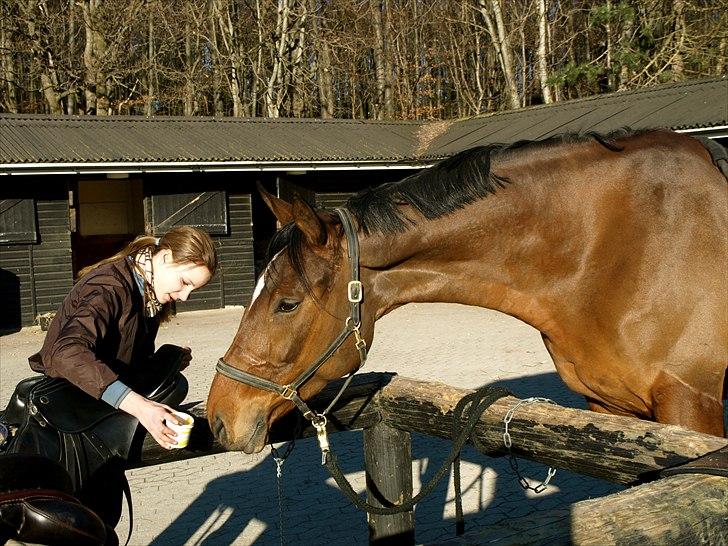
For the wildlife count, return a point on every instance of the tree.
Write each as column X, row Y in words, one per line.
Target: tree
column 380, row 59
column 502, row 44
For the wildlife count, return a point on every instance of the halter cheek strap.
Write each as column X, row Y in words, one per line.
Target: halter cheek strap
column 355, row 294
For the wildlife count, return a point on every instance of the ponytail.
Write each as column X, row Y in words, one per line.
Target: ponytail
column 133, row 248
column 188, row 245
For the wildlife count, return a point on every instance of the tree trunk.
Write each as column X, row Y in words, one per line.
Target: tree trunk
column 217, row 104
column 608, row 32
column 258, row 64
column 502, row 45
column 323, row 63
column 378, row 51
column 43, row 56
column 97, row 100
column 189, row 108
column 543, row 52
column 678, row 61
column 625, row 39
column 295, row 85
column 151, row 89
column 7, row 63
column 387, row 52
column 229, row 38
column 274, row 90
column 72, row 97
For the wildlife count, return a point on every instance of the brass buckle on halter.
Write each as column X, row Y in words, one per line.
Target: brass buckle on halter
column 356, row 291
column 288, row 393
column 360, row 342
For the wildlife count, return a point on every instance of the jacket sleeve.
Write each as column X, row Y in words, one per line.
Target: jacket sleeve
column 93, row 315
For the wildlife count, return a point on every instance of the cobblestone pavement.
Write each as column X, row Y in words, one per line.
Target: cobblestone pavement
column 231, row 498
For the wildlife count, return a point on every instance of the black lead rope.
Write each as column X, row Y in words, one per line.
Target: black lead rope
column 475, row 403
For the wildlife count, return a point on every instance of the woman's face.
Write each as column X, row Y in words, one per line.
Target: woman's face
column 174, row 281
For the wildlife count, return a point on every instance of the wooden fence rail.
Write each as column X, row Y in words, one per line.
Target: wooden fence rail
column 690, row 508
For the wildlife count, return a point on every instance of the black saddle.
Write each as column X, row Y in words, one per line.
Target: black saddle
column 37, row 505
column 86, row 443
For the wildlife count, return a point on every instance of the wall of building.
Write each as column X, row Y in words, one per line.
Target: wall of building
column 77, row 216
column 35, row 276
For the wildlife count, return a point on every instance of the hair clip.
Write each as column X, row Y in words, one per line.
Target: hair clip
column 156, row 241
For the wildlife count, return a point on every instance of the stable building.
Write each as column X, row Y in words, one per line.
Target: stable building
column 75, row 189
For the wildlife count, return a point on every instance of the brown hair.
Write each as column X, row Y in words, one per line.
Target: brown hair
column 188, row 245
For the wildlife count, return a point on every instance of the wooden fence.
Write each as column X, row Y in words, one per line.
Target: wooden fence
column 686, row 508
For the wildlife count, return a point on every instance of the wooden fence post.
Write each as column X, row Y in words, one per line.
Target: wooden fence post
column 388, row 460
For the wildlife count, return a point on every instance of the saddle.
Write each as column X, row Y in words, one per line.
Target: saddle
column 84, row 444
column 37, row 505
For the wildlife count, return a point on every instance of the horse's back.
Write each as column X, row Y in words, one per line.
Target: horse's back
column 648, row 303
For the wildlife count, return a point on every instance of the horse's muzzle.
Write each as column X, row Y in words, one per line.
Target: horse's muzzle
column 249, row 440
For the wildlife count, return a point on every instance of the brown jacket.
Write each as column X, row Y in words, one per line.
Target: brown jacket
column 99, row 333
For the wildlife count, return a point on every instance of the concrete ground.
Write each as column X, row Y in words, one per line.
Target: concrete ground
column 233, row 498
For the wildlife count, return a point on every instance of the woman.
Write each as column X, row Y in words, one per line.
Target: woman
column 105, row 328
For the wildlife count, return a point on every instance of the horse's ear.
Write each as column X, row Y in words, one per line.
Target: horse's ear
column 309, row 222
column 281, row 209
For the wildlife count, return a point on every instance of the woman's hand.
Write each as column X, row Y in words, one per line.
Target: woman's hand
column 186, row 357
column 151, row 415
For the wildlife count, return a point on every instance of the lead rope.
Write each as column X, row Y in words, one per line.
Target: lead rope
column 279, row 460
column 477, row 401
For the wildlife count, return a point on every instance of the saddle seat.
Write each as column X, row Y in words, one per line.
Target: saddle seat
column 37, row 505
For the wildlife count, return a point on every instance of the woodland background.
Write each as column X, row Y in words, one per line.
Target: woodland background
column 360, row 59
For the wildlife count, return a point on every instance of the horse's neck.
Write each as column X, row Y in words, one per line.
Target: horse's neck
column 487, row 254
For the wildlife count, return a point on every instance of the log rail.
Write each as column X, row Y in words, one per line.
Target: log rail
column 688, row 508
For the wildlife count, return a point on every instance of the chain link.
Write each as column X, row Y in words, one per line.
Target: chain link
column 508, row 443
column 279, row 460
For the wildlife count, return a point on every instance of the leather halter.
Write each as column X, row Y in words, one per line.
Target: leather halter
column 355, row 292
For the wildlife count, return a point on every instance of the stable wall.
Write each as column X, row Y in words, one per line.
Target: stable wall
column 35, row 252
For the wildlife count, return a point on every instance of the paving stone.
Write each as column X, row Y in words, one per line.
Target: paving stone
column 231, row 498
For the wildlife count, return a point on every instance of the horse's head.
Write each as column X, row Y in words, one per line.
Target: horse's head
column 300, row 305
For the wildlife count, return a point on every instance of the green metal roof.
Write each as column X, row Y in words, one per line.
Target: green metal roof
column 43, row 143
column 681, row 106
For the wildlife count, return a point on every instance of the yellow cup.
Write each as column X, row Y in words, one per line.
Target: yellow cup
column 183, row 430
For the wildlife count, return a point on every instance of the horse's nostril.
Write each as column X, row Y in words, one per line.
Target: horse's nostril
column 218, row 428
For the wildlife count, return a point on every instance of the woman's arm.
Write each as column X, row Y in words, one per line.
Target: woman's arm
column 151, row 415
column 89, row 318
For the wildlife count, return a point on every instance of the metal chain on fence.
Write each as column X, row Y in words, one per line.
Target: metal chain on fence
column 508, row 443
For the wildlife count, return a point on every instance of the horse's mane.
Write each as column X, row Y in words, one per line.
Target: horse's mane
column 452, row 183
column 447, row 186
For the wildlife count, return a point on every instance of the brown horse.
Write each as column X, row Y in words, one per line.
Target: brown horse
column 615, row 248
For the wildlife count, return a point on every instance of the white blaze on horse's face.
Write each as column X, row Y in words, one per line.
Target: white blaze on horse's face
column 261, row 280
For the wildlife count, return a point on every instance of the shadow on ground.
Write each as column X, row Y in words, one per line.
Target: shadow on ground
column 313, row 510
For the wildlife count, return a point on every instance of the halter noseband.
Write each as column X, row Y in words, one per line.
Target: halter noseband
column 355, row 292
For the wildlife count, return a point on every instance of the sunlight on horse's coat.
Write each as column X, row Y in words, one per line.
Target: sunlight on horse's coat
column 612, row 247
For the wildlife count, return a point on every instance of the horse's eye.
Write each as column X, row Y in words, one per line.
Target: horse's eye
column 286, row 306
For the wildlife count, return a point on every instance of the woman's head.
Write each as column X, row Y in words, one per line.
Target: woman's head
column 184, row 260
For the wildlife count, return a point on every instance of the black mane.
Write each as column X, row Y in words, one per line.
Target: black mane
column 447, row 186
column 450, row 184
